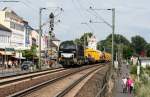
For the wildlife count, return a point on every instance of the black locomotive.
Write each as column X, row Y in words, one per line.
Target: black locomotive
column 71, row 54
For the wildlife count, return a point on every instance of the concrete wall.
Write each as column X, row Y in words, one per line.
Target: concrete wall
column 95, row 84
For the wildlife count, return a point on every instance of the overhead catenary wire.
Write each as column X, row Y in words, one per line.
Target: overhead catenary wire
column 83, row 16
column 81, row 6
column 28, row 5
column 97, row 15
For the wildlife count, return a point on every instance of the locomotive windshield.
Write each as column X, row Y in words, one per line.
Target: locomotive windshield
column 67, row 46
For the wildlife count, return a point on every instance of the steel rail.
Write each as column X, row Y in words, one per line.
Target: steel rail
column 67, row 89
column 24, row 73
column 39, row 86
column 29, row 76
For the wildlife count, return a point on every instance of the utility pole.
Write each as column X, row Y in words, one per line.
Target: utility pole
column 85, row 38
column 40, row 34
column 40, row 30
column 51, row 17
column 112, row 27
column 113, row 31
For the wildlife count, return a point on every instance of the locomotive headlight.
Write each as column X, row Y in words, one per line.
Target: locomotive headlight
column 75, row 60
column 72, row 56
column 60, row 59
column 62, row 56
column 74, row 51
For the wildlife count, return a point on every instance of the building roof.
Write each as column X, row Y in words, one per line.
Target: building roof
column 52, row 45
column 55, row 39
column 14, row 14
column 2, row 27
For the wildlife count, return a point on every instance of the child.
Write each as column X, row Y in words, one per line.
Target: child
column 130, row 85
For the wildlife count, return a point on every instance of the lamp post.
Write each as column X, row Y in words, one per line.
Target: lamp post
column 113, row 31
column 112, row 27
column 40, row 34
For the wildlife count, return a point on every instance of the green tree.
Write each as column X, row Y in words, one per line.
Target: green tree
column 127, row 51
column 30, row 54
column 119, row 41
column 138, row 43
column 147, row 48
column 85, row 37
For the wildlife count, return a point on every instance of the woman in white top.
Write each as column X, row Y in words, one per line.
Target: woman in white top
column 124, row 85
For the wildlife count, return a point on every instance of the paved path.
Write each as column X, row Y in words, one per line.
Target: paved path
column 118, row 91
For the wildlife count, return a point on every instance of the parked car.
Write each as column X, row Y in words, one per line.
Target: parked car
column 26, row 65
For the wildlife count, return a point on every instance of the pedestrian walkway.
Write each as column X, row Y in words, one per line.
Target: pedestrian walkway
column 118, row 91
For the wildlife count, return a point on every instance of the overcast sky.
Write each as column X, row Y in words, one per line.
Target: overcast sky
column 132, row 16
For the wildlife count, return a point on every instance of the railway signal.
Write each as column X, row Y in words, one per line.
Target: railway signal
column 51, row 26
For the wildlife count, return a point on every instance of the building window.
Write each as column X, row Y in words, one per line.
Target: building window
column 19, row 27
column 4, row 39
column 12, row 25
column 33, row 41
column 16, row 26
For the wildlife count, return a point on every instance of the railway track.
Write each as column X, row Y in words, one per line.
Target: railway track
column 25, row 73
column 80, row 71
column 75, row 83
column 15, row 78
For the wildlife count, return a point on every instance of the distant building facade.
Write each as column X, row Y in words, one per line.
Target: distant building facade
column 15, row 33
column 5, row 35
column 17, row 25
column 92, row 43
column 145, row 61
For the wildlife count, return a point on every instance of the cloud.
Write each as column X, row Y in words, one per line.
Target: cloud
column 132, row 16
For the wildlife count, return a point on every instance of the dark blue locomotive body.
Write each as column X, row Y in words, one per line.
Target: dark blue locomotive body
column 71, row 54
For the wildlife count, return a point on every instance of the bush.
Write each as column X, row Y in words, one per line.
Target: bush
column 143, row 91
column 136, row 87
column 133, row 70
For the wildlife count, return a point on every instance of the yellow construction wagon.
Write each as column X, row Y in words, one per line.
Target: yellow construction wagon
column 93, row 54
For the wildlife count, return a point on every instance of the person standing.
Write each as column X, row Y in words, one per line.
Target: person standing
column 124, row 85
column 127, row 64
column 130, row 85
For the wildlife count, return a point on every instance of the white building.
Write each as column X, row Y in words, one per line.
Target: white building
column 5, row 36
column 145, row 61
column 16, row 24
column 92, row 43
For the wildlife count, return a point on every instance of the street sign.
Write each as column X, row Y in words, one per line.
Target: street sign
column 9, row 49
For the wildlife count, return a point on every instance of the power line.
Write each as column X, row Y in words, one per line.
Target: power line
column 79, row 11
column 5, row 1
column 28, row 5
column 99, row 17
